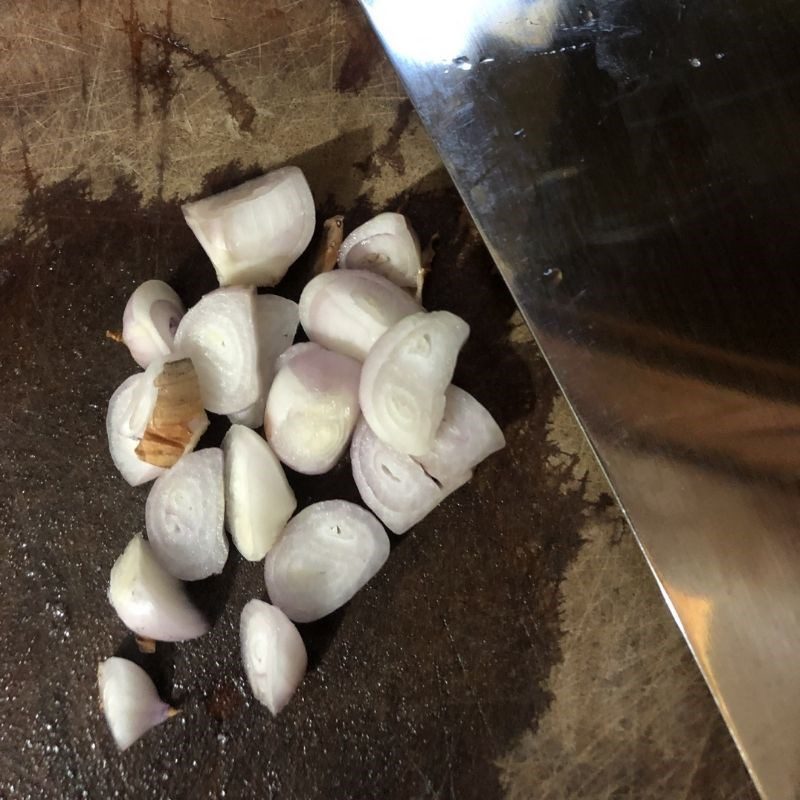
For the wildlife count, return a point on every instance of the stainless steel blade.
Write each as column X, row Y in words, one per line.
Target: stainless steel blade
column 633, row 167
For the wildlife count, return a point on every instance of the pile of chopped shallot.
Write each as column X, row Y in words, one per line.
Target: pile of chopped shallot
column 375, row 374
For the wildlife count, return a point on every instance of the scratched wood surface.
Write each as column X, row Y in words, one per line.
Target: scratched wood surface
column 515, row 646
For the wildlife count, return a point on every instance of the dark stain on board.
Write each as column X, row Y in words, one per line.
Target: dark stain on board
column 427, row 677
column 364, row 51
column 389, row 152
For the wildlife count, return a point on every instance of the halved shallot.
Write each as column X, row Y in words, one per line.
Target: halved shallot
column 276, row 321
column 122, row 443
column 185, row 516
column 312, row 407
column 254, row 232
column 218, row 334
column 150, row 320
column 326, row 554
column 273, row 654
column 386, row 244
column 129, row 701
column 404, row 378
column 149, row 601
column 258, row 498
column 401, row 490
column 347, row 311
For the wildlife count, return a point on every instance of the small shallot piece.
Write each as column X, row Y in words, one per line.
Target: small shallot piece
column 129, row 701
column 312, row 407
column 150, row 320
column 428, row 254
column 258, row 498
column 402, row 490
column 178, row 419
column 276, row 320
column 254, row 232
column 347, row 311
column 386, row 244
column 405, row 376
column 218, row 334
column 393, row 485
column 328, row 253
column 150, row 601
column 326, row 554
column 273, row 654
column 121, row 444
column 185, row 516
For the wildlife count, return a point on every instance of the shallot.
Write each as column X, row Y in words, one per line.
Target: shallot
column 347, row 311
column 185, row 516
column 150, row 320
column 312, row 407
column 121, row 444
column 254, row 232
column 129, row 701
column 402, row 490
column 276, row 321
column 386, row 244
column 326, row 554
column 273, row 654
column 218, row 334
column 404, row 378
column 258, row 498
column 149, row 601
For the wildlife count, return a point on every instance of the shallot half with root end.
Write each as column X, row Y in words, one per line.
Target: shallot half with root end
column 273, row 654
column 312, row 407
column 402, row 490
column 326, row 554
column 122, row 443
column 129, row 701
column 185, row 516
column 256, row 231
column 150, row 320
column 347, row 311
column 404, row 378
column 258, row 498
column 276, row 320
column 150, row 601
column 218, row 334
column 386, row 244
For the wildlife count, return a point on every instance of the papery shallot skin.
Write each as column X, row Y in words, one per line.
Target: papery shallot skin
column 326, row 554
column 254, row 232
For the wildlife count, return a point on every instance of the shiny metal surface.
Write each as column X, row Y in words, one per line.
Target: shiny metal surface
column 634, row 169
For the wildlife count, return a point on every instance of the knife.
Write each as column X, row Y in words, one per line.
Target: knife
column 633, row 169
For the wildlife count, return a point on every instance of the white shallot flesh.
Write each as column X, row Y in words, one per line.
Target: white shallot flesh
column 185, row 516
column 276, row 320
column 393, row 485
column 171, row 400
column 121, row 444
column 254, row 232
column 258, row 498
column 129, row 701
column 273, row 654
column 386, row 244
column 219, row 336
column 347, row 311
column 405, row 376
column 150, row 320
column 326, row 554
column 149, row 601
column 312, row 407
column 466, row 436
